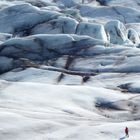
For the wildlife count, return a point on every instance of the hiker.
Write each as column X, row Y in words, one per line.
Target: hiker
column 126, row 132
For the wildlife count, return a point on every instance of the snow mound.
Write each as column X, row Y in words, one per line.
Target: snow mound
column 64, row 25
column 107, row 13
column 45, row 46
column 116, row 32
column 26, row 17
column 130, row 3
column 135, row 26
column 133, row 36
column 93, row 30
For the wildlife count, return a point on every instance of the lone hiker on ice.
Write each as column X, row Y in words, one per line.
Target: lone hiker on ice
column 126, row 132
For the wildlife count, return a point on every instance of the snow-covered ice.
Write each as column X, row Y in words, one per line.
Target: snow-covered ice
column 69, row 69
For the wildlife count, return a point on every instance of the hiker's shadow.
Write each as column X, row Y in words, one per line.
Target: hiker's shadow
column 122, row 138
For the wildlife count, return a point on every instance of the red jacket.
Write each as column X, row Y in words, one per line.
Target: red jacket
column 126, row 130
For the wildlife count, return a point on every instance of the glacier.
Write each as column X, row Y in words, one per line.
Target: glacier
column 69, row 69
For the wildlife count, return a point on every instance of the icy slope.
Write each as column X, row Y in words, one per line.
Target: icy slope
column 34, row 109
column 43, row 111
